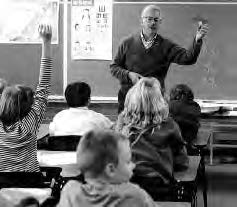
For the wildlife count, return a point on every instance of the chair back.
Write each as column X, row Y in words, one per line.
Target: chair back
column 30, row 179
column 59, row 143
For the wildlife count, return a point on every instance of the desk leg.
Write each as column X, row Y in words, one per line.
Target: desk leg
column 204, row 180
column 211, row 150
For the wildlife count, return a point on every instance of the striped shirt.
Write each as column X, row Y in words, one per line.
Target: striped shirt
column 18, row 142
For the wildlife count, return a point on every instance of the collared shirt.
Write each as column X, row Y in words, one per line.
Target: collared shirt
column 77, row 121
column 148, row 43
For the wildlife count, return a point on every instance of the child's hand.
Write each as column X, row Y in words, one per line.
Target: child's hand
column 45, row 32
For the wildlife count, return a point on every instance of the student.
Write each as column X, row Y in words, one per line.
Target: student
column 49, row 202
column 185, row 111
column 28, row 202
column 78, row 118
column 104, row 158
column 157, row 145
column 21, row 114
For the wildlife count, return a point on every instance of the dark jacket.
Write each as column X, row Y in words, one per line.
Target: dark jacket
column 187, row 115
column 159, row 151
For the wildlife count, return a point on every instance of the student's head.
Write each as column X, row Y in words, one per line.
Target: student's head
column 49, row 202
column 145, row 104
column 105, row 154
column 28, row 202
column 15, row 103
column 181, row 92
column 150, row 20
column 3, row 84
column 78, row 94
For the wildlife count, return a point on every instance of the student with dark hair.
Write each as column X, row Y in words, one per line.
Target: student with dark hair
column 21, row 113
column 104, row 158
column 185, row 111
column 78, row 94
column 78, row 118
column 49, row 202
column 28, row 202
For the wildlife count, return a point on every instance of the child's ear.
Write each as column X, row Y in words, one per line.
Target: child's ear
column 110, row 169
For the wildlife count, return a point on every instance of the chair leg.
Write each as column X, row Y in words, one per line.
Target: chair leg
column 211, row 150
column 204, row 180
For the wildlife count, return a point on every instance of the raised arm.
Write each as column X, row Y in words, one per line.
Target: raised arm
column 35, row 116
column 45, row 32
column 183, row 56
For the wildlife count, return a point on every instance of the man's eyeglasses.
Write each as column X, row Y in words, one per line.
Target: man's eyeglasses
column 150, row 19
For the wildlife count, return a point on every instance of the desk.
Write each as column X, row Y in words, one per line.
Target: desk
column 66, row 160
column 15, row 195
column 172, row 204
column 223, row 137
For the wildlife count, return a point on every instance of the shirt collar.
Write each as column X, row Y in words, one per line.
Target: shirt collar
column 148, row 43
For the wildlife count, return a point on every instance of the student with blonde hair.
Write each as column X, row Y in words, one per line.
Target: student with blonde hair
column 157, row 145
column 21, row 113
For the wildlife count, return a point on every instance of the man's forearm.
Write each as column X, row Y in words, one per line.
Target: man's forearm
column 119, row 72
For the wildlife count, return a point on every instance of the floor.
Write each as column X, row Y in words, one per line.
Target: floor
column 222, row 186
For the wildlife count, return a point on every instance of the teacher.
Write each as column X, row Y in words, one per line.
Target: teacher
column 148, row 54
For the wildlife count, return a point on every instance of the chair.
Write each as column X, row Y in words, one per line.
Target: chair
column 223, row 141
column 66, row 143
column 199, row 147
column 182, row 188
column 47, row 178
column 58, row 143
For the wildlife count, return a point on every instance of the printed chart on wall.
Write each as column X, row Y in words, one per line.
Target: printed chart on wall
column 91, row 29
column 19, row 20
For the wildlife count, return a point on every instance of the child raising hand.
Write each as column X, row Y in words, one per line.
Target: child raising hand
column 21, row 113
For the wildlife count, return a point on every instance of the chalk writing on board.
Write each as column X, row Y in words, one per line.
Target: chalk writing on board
column 23, row 19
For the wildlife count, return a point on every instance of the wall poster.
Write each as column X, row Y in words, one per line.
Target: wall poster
column 91, row 29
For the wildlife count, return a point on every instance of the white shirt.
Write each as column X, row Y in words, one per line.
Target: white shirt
column 77, row 121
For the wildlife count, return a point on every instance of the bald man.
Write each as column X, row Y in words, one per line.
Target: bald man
column 149, row 54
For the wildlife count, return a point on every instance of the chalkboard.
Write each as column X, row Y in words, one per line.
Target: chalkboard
column 19, row 63
column 212, row 77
